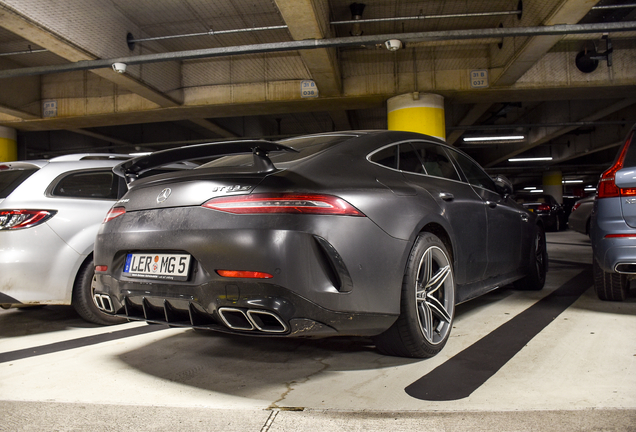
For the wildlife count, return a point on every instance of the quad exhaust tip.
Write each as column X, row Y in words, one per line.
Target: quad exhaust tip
column 253, row 319
column 103, row 303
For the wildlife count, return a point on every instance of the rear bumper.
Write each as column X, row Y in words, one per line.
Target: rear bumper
column 36, row 267
column 258, row 309
column 330, row 274
column 613, row 254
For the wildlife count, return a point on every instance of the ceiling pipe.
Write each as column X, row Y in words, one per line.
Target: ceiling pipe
column 560, row 29
column 209, row 33
column 426, row 17
column 620, row 6
column 29, row 51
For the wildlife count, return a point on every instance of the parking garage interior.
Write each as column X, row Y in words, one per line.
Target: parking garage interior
column 541, row 91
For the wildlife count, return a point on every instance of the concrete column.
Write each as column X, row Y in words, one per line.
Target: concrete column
column 417, row 112
column 8, row 144
column 553, row 184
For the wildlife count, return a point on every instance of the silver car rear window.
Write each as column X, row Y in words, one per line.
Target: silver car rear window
column 11, row 179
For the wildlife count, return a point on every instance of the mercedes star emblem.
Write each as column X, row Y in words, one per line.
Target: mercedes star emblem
column 164, row 195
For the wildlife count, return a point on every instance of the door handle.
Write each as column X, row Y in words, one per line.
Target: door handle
column 446, row 196
column 491, row 204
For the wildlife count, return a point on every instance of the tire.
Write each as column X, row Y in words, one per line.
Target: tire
column 538, row 267
column 83, row 297
column 425, row 321
column 609, row 286
column 557, row 224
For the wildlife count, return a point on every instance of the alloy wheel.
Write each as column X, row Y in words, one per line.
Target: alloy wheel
column 435, row 295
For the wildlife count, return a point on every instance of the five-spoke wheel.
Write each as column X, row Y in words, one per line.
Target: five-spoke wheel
column 427, row 304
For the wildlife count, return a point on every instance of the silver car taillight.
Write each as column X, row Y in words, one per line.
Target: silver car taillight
column 20, row 219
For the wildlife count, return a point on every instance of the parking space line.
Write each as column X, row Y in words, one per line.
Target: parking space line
column 78, row 343
column 464, row 373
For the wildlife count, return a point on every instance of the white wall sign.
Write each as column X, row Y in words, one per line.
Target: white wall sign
column 49, row 109
column 479, row 78
column 308, row 89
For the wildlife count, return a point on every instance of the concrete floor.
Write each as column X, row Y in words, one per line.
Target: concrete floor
column 576, row 373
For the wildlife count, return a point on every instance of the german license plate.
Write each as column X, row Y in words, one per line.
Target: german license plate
column 158, row 266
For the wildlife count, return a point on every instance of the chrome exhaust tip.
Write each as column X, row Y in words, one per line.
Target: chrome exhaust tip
column 235, row 319
column 267, row 321
column 260, row 320
column 103, row 303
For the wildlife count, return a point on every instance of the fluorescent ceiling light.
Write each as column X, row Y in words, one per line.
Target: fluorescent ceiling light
column 530, row 159
column 571, row 181
column 536, row 191
column 140, row 154
column 529, row 188
column 495, row 138
column 590, row 189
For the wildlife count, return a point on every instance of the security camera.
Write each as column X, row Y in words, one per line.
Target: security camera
column 119, row 67
column 393, row 44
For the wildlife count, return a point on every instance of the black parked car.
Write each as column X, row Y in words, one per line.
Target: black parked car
column 546, row 207
column 355, row 233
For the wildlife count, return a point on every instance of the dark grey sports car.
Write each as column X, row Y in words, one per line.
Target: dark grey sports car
column 359, row 233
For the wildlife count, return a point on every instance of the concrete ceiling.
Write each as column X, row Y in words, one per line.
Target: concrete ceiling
column 534, row 86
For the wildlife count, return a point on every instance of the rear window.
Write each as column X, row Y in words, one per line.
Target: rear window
column 11, row 179
column 306, row 146
column 533, row 199
column 630, row 156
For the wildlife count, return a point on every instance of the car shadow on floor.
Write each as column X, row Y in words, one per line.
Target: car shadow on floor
column 253, row 367
column 224, row 363
column 17, row 322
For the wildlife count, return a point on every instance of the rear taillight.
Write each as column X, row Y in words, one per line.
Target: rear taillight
column 606, row 186
column 543, row 207
column 244, row 274
column 284, row 203
column 19, row 219
column 113, row 213
column 575, row 206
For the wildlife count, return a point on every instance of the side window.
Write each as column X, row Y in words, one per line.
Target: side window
column 436, row 161
column 474, row 173
column 88, row 184
column 409, row 161
column 386, row 157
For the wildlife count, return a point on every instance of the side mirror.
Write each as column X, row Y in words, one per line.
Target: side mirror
column 503, row 185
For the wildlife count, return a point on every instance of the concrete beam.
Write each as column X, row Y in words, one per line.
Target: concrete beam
column 101, row 137
column 475, row 112
column 309, row 19
column 19, row 97
column 219, row 130
column 47, row 28
column 544, row 135
column 520, row 54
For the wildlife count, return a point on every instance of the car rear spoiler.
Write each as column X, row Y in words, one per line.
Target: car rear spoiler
column 133, row 168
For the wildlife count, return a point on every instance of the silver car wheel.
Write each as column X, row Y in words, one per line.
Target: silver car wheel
column 435, row 295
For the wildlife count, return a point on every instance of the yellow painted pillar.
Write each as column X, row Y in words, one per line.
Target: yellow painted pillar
column 553, row 184
column 8, row 144
column 417, row 112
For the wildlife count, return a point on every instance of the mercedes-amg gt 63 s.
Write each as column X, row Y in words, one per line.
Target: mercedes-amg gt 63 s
column 363, row 233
